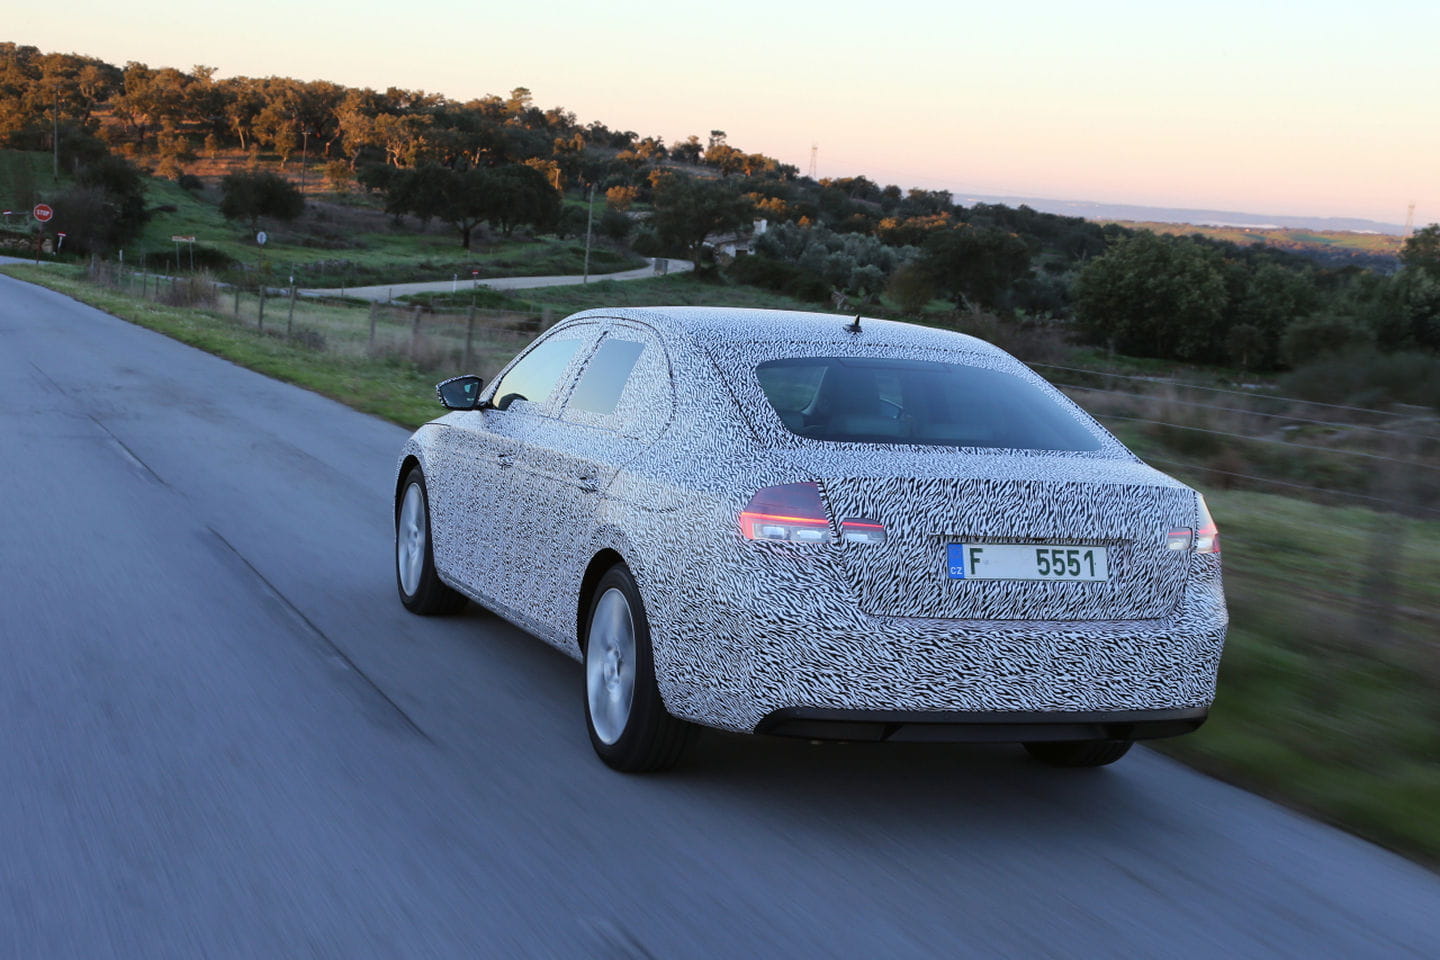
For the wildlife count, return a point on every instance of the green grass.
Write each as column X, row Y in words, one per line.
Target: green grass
column 1329, row 695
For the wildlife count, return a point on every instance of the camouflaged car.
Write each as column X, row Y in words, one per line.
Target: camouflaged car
column 815, row 526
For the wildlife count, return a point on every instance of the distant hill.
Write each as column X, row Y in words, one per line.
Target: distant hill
column 1331, row 248
column 1221, row 218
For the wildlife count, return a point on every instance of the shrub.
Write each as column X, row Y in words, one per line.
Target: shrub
column 1319, row 335
column 250, row 196
column 1365, row 377
column 615, row 225
column 788, row 278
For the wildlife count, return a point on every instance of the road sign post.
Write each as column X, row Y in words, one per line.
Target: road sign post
column 190, row 239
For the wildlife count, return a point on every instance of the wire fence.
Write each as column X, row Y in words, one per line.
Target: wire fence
column 433, row 340
column 1386, row 459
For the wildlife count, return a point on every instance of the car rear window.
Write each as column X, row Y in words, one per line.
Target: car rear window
column 898, row 401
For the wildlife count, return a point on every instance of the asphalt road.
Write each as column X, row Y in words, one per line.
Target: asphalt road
column 221, row 736
column 389, row 291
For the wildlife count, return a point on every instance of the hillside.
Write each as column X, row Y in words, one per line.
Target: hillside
column 1376, row 251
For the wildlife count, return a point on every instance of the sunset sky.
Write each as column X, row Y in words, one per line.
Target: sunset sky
column 1314, row 108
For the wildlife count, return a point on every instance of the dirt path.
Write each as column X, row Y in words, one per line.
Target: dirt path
column 389, row 291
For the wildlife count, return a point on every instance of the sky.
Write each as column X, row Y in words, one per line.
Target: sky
column 1317, row 108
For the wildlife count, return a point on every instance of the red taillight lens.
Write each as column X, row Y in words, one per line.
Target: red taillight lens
column 791, row 511
column 1207, row 538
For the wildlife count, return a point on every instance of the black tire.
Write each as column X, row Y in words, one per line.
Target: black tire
column 649, row 738
column 430, row 596
column 1079, row 753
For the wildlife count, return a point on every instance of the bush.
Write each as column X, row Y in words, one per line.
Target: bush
column 103, row 209
column 194, row 291
column 615, row 225
column 788, row 278
column 1365, row 377
column 1319, row 335
column 190, row 182
column 250, row 196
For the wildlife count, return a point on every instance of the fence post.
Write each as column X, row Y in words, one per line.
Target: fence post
column 261, row 321
column 290, row 318
column 469, row 338
column 374, row 309
column 236, row 285
column 414, row 330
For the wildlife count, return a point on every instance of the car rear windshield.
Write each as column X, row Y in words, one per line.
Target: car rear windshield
column 897, row 401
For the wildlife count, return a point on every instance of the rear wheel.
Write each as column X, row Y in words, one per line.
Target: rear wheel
column 1079, row 753
column 421, row 589
column 630, row 728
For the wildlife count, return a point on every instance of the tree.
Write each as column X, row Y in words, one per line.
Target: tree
column 467, row 200
column 620, row 198
column 687, row 152
column 687, row 210
column 1154, row 296
column 521, row 194
column 978, row 263
column 250, row 196
column 1422, row 251
column 1272, row 298
column 912, row 288
column 104, row 209
column 504, row 196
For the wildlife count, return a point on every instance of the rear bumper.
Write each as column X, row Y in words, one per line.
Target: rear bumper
column 980, row 727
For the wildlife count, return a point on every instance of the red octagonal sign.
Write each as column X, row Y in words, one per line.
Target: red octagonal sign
column 43, row 212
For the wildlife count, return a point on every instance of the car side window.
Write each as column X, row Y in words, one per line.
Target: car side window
column 534, row 377
column 625, row 386
column 605, row 376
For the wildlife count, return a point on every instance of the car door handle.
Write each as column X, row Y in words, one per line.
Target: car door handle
column 587, row 484
column 505, row 460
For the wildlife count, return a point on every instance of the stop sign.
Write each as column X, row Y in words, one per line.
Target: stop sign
column 43, row 212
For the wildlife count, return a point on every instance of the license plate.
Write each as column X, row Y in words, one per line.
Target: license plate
column 1025, row 561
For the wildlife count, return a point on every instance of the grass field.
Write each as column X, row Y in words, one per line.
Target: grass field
column 1330, row 687
column 1336, row 240
column 1329, row 692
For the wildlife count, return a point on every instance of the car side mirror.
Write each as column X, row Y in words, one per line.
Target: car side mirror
column 459, row 393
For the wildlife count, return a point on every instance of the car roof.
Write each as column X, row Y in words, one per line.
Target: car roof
column 715, row 325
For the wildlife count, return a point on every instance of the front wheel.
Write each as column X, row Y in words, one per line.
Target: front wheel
column 421, row 589
column 1079, row 753
column 630, row 728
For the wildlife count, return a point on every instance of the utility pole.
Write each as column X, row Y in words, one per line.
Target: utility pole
column 589, row 219
column 814, row 149
column 55, row 137
column 304, row 152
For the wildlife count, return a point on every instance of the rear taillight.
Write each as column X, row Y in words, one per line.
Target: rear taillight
column 1204, row 540
column 1207, row 538
column 792, row 511
column 795, row 512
